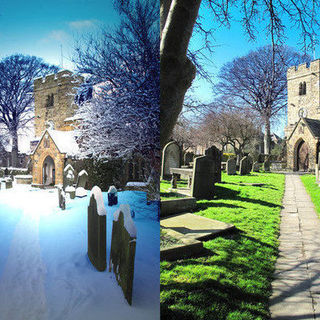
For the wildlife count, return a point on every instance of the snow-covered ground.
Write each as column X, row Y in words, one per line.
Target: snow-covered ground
column 44, row 269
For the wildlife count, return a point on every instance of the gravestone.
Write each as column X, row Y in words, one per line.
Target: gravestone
column 97, row 230
column 61, row 198
column 123, row 249
column 82, row 179
column 231, row 166
column 187, row 158
column 215, row 154
column 8, row 183
column 203, row 179
column 71, row 191
column 256, row 166
column 170, row 159
column 112, row 196
column 68, row 176
column 266, row 165
column 245, row 166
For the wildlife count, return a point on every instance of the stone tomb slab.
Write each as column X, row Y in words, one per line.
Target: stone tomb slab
column 195, row 227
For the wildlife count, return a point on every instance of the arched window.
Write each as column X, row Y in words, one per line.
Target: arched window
column 50, row 100
column 302, row 88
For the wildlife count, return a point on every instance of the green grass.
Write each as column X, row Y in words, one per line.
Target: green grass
column 233, row 281
column 309, row 181
column 166, row 194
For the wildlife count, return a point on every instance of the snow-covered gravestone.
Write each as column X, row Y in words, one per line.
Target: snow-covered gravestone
column 62, row 198
column 97, row 230
column 71, row 190
column 123, row 250
column 8, row 183
column 112, row 196
column 82, row 179
column 68, row 176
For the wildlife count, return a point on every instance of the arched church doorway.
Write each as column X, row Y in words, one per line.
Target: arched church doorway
column 302, row 156
column 48, row 172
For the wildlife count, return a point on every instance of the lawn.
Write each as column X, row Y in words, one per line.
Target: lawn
column 234, row 280
column 166, row 194
column 309, row 181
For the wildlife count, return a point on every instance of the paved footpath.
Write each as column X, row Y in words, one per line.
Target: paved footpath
column 296, row 288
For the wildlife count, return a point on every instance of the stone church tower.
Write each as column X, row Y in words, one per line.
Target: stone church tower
column 54, row 119
column 303, row 123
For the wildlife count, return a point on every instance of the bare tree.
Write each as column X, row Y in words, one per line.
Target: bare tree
column 258, row 82
column 177, row 21
column 17, row 73
column 123, row 118
column 230, row 127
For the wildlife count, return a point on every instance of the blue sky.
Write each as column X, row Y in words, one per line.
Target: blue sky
column 232, row 43
column 40, row 27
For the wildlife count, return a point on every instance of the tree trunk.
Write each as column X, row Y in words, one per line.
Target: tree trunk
column 267, row 136
column 177, row 71
column 14, row 152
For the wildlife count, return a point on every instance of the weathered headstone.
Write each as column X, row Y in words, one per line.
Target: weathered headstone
column 68, row 176
column 170, row 159
column 256, row 166
column 82, row 179
column 245, row 166
column 97, row 230
column 123, row 249
column 61, row 198
column 203, row 178
column 266, row 165
column 231, row 166
column 112, row 196
column 8, row 183
column 187, row 158
column 72, row 191
column 215, row 154
column 317, row 169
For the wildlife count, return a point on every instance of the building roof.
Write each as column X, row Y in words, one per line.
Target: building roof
column 314, row 126
column 64, row 140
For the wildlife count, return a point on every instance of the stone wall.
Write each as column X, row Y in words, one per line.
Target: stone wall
column 39, row 157
column 61, row 86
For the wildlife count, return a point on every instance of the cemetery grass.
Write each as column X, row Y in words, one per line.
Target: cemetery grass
column 309, row 181
column 233, row 281
column 166, row 194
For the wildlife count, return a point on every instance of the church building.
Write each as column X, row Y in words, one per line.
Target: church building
column 303, row 124
column 54, row 127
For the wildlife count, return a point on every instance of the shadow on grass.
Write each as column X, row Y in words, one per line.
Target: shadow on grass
column 171, row 195
column 229, row 194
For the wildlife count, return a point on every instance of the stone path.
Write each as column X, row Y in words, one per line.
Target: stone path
column 296, row 288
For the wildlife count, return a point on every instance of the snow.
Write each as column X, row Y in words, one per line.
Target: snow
column 81, row 192
column 23, row 176
column 70, row 189
column 13, row 168
column 82, row 172
column 96, row 192
column 128, row 222
column 112, row 189
column 64, row 140
column 68, row 167
column 136, row 184
column 44, row 270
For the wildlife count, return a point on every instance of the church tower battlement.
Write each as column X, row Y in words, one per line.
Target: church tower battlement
column 54, row 101
column 303, row 83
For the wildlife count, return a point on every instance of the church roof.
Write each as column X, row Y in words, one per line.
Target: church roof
column 314, row 126
column 64, row 140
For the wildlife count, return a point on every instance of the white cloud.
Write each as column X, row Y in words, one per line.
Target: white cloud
column 82, row 24
column 56, row 35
